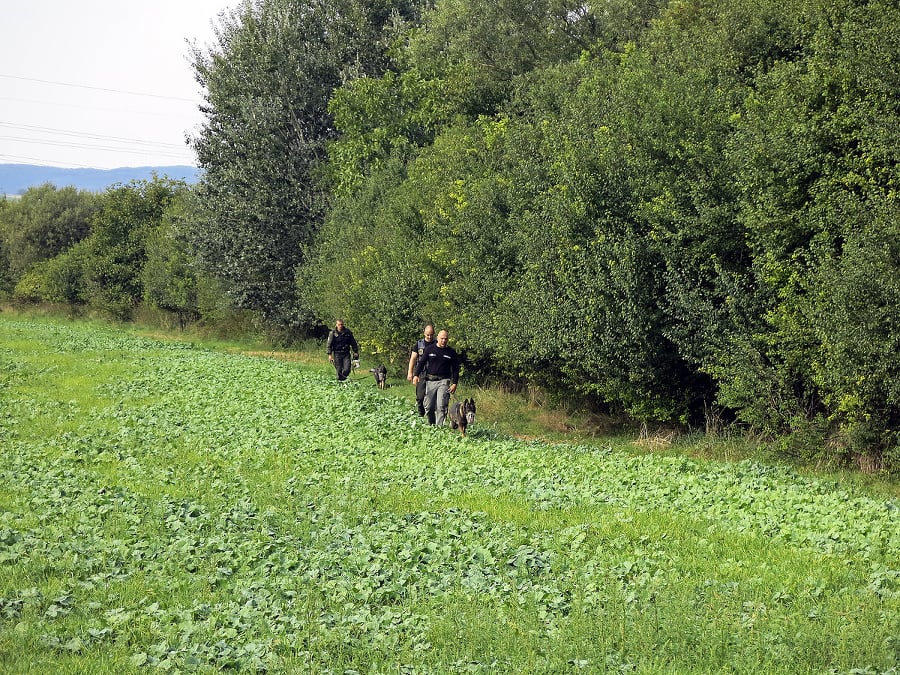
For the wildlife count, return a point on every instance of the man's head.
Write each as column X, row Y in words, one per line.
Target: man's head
column 442, row 338
column 339, row 325
column 429, row 333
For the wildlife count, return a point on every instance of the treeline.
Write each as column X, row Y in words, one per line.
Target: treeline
column 680, row 211
column 110, row 252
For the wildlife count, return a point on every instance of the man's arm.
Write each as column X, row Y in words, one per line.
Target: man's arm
column 454, row 372
column 420, row 364
column 412, row 364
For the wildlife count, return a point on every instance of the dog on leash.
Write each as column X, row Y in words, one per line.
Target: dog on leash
column 380, row 374
column 462, row 415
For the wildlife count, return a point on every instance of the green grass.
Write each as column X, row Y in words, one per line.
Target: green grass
column 167, row 506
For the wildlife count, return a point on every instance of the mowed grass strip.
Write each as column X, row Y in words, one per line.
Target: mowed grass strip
column 170, row 507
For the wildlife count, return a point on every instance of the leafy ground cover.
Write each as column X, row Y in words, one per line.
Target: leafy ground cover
column 165, row 507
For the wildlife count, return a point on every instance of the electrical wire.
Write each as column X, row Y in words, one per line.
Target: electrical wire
column 85, row 86
column 83, row 140
column 18, row 159
column 86, row 146
column 88, row 135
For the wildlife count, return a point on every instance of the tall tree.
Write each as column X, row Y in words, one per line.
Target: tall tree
column 268, row 80
column 479, row 47
column 420, row 161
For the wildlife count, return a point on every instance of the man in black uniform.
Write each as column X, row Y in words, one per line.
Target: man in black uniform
column 439, row 366
column 339, row 347
column 417, row 350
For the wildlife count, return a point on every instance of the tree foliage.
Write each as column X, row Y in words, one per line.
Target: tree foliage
column 116, row 251
column 669, row 209
column 44, row 222
column 172, row 278
column 105, row 268
column 268, row 79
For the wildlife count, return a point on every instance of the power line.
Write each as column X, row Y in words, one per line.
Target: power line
column 41, row 160
column 86, row 135
column 84, row 86
column 131, row 110
column 86, row 146
column 34, row 135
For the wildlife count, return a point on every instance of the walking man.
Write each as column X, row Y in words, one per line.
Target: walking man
column 417, row 350
column 439, row 366
column 341, row 344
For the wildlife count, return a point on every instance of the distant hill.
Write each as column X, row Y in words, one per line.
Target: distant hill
column 17, row 178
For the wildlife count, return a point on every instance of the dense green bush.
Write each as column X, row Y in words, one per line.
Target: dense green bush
column 44, row 222
column 688, row 211
column 57, row 280
column 116, row 250
column 856, row 313
column 105, row 269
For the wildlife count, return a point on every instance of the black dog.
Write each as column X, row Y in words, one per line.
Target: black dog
column 380, row 374
column 462, row 414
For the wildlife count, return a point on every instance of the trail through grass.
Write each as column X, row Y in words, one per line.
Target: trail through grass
column 165, row 507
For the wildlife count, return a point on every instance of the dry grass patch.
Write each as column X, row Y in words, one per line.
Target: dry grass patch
column 657, row 439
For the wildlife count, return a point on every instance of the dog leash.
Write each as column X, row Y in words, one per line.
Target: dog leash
column 360, row 376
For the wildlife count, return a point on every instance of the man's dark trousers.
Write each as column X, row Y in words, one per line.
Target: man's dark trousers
column 342, row 365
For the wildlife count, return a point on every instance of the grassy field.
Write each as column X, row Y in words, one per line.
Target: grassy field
column 169, row 507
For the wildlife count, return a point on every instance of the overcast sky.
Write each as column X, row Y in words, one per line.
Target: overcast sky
column 100, row 83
